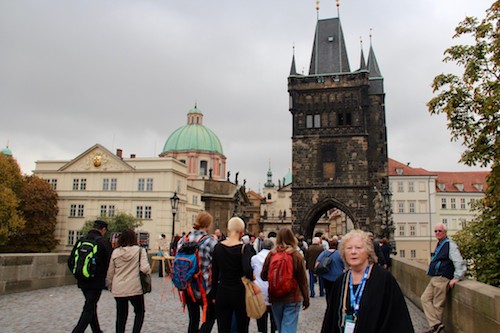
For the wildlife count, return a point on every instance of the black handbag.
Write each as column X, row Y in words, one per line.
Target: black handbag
column 144, row 277
column 324, row 265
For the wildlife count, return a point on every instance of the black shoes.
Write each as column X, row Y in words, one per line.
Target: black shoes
column 438, row 328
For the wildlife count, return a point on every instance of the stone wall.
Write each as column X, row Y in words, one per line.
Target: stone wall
column 472, row 307
column 30, row 271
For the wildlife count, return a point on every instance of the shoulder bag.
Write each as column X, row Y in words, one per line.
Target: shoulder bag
column 144, row 277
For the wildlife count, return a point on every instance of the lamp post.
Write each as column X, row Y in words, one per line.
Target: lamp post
column 386, row 194
column 174, row 201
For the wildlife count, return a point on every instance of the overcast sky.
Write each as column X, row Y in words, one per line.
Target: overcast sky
column 124, row 74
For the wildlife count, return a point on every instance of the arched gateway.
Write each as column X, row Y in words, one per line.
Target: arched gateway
column 339, row 142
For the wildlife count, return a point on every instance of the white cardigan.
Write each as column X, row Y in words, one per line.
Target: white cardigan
column 123, row 271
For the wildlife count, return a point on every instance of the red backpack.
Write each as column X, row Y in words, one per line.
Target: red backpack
column 280, row 275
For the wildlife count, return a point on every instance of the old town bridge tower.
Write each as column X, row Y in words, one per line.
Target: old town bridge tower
column 339, row 140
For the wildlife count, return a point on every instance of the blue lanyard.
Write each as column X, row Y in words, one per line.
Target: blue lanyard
column 356, row 296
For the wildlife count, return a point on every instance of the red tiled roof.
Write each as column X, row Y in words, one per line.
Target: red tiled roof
column 469, row 180
column 451, row 180
column 407, row 170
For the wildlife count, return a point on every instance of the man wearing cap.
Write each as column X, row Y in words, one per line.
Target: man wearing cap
column 446, row 268
column 92, row 288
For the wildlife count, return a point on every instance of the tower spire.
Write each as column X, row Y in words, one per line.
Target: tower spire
column 293, row 70
column 338, row 8
column 362, row 64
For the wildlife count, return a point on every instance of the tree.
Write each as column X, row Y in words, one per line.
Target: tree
column 11, row 217
column 38, row 201
column 115, row 223
column 471, row 103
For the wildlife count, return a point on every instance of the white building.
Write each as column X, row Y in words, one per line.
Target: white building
column 99, row 183
column 421, row 199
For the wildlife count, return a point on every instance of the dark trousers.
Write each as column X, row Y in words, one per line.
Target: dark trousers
column 228, row 301
column 89, row 312
column 122, row 312
column 194, row 309
column 262, row 321
column 328, row 288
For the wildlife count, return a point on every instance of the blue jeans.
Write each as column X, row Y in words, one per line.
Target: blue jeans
column 311, row 283
column 286, row 316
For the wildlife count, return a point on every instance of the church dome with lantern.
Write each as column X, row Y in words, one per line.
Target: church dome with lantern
column 198, row 147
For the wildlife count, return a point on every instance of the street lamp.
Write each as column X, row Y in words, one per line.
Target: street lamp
column 386, row 194
column 174, row 201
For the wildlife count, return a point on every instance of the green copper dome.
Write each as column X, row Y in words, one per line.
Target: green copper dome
column 6, row 151
column 193, row 136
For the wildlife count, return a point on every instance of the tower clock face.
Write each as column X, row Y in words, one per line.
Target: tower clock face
column 97, row 161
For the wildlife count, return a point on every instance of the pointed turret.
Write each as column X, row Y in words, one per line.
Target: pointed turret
column 293, row 71
column 269, row 182
column 373, row 65
column 376, row 79
column 329, row 54
column 362, row 64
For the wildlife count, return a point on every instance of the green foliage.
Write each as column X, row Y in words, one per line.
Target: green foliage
column 471, row 103
column 11, row 217
column 115, row 223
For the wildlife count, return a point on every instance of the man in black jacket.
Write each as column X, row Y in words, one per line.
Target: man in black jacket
column 92, row 288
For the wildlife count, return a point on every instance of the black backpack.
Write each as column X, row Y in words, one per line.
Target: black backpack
column 82, row 261
column 324, row 264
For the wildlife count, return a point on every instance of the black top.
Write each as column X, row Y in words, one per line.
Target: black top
column 382, row 309
column 229, row 264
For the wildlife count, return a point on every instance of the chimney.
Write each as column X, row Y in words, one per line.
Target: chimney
column 132, row 155
column 119, row 152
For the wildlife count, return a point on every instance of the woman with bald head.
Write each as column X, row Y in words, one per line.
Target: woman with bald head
column 230, row 262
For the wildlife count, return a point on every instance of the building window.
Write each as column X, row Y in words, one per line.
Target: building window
column 402, row 253
column 413, row 253
column 147, row 212
column 344, row 118
column 443, row 203
column 75, row 184
column 72, row 210
column 79, row 184
column 317, row 121
column 113, row 184
column 103, row 210
column 80, row 211
column 105, row 184
column 53, row 183
column 83, row 184
column 149, row 184
column 411, row 206
column 309, row 121
column 401, row 207
column 111, row 210
column 401, row 230
column 269, row 196
column 71, row 237
column 400, row 187
column 453, row 203
column 462, row 203
column 412, row 230
column 139, row 212
column 445, row 221
column 195, row 199
column 411, row 187
column 203, row 168
column 140, row 184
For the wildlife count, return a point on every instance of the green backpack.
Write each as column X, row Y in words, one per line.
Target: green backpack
column 82, row 261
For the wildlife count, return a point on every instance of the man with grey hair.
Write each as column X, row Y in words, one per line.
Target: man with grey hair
column 446, row 268
column 311, row 255
column 257, row 262
column 376, row 249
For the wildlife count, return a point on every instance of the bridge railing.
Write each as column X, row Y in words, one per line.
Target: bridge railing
column 471, row 307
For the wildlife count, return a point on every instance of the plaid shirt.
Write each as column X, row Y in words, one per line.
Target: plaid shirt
column 206, row 251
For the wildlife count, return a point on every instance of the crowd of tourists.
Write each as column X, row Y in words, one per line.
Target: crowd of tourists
column 352, row 273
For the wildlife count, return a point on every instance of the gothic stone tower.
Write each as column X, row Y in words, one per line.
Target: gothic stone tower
column 339, row 141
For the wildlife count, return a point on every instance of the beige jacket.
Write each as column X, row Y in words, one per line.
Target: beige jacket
column 123, row 272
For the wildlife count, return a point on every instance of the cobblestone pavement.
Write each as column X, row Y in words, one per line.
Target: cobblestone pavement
column 57, row 310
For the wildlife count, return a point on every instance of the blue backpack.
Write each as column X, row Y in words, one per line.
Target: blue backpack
column 186, row 271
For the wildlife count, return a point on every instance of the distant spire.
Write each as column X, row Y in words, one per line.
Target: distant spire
column 269, row 182
column 338, row 8
column 372, row 61
column 293, row 71
column 317, row 10
column 362, row 64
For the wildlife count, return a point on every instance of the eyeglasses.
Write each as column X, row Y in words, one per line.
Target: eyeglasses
column 438, row 230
